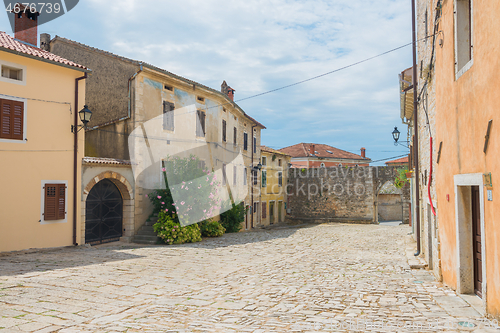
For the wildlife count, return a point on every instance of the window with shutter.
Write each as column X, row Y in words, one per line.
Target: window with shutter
column 234, row 175
column 200, row 123
column 223, row 130
column 168, row 116
column 245, row 141
column 245, row 172
column 254, row 145
column 264, row 210
column 55, row 202
column 11, row 119
column 235, row 136
column 264, row 178
column 280, row 178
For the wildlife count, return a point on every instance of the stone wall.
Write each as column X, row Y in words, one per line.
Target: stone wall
column 107, row 86
column 338, row 194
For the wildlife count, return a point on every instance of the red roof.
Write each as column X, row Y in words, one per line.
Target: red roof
column 320, row 150
column 9, row 43
column 402, row 160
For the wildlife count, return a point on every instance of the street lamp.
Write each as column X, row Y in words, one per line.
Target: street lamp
column 85, row 116
column 395, row 135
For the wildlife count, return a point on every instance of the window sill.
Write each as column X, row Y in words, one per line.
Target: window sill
column 464, row 69
column 13, row 140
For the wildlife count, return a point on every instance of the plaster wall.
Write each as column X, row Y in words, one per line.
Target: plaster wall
column 464, row 105
column 47, row 154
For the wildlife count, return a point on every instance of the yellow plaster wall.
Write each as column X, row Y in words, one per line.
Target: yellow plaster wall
column 46, row 155
column 273, row 192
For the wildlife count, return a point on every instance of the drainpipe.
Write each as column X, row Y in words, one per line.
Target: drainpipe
column 75, row 160
column 130, row 91
column 415, row 126
column 251, row 178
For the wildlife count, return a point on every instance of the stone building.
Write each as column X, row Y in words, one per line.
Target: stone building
column 135, row 103
column 427, row 28
column 315, row 155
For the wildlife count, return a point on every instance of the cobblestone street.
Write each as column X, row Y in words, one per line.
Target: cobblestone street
column 330, row 277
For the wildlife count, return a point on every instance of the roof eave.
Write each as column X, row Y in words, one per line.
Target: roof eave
column 44, row 60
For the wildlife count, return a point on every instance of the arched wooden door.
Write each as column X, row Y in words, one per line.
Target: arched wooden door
column 103, row 213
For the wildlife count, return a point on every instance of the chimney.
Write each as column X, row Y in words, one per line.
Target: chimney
column 227, row 90
column 230, row 93
column 363, row 152
column 311, row 149
column 26, row 26
column 45, row 42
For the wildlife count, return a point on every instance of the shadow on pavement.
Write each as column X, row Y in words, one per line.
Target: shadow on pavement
column 37, row 261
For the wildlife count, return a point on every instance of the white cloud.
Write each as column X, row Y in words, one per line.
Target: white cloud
column 259, row 45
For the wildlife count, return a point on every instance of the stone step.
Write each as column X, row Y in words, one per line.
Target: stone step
column 146, row 231
column 146, row 239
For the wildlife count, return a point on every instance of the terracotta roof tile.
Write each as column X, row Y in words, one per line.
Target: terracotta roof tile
column 105, row 160
column 323, row 151
column 402, row 160
column 10, row 43
column 271, row 150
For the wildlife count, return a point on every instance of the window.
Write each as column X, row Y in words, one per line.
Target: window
column 426, row 24
column 254, row 177
column 254, row 145
column 245, row 141
column 255, row 206
column 280, row 178
column 224, row 179
column 245, row 172
column 168, row 116
column 264, row 210
column 54, row 202
column 200, row 99
column 234, row 175
column 11, row 119
column 235, row 136
column 279, row 162
column 322, row 165
column 223, row 130
column 264, row 178
column 463, row 35
column 264, row 160
column 200, row 123
column 168, row 88
column 12, row 73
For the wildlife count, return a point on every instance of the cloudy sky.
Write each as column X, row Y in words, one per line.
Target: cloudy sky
column 261, row 45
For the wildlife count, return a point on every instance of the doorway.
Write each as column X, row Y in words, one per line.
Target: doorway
column 103, row 213
column 476, row 241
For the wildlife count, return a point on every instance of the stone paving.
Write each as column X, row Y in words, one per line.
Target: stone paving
column 318, row 278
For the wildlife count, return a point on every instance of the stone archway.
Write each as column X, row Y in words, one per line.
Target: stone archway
column 389, row 203
column 127, row 194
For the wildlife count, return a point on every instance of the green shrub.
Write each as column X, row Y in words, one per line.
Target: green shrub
column 211, row 228
column 232, row 218
column 401, row 179
column 171, row 232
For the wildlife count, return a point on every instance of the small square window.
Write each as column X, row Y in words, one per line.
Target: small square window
column 12, row 73
column 170, row 88
column 200, row 99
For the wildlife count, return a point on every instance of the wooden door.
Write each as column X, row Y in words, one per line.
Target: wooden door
column 271, row 212
column 476, row 242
